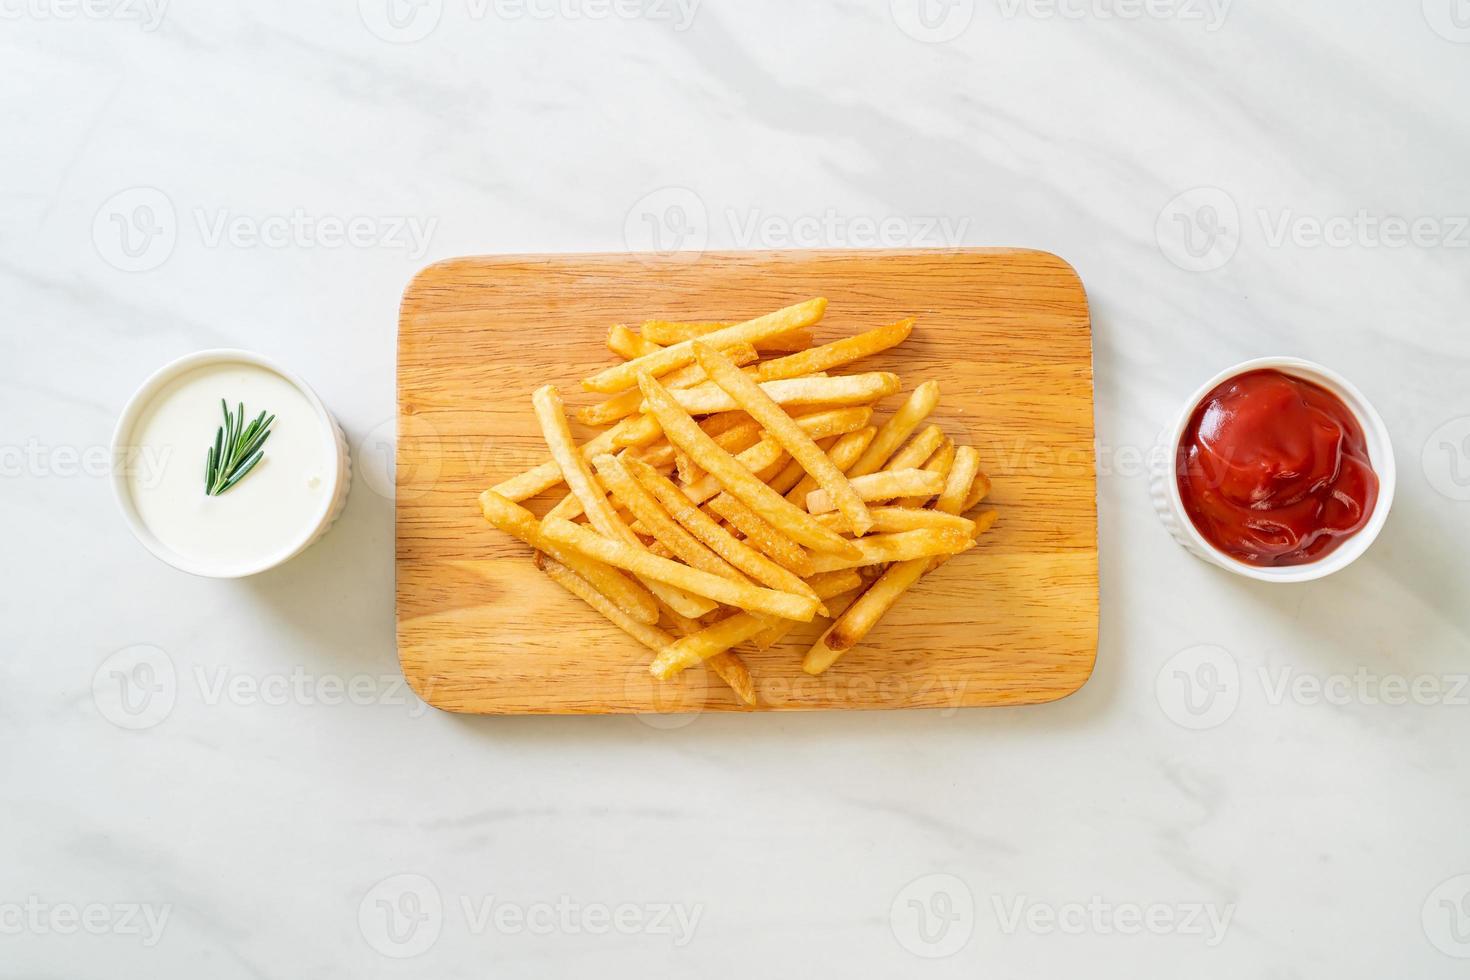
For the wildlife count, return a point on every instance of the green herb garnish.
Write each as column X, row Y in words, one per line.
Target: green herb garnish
column 236, row 449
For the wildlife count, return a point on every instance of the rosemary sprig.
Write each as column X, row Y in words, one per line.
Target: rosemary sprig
column 236, row 449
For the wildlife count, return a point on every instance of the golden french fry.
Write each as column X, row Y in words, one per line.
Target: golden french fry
column 726, row 666
column 732, row 670
column 978, row 492
column 515, row 520
column 844, row 453
column 558, row 435
column 917, row 450
column 893, row 432
column 728, row 632
column 961, row 476
column 858, row 619
column 708, row 530
column 660, row 525
column 623, row 376
column 793, row 340
column 760, row 534
column 626, row 403
column 640, row 562
column 791, row 474
column 883, row 485
column 627, row 344
column 899, row 546
column 547, row 475
column 667, row 332
column 735, row 478
column 940, row 463
column 650, row 636
column 888, row 520
column 849, row 389
column 708, row 642
column 837, row 353
column 673, row 332
column 760, row 406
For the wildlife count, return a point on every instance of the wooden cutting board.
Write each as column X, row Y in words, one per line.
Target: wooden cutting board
column 1007, row 335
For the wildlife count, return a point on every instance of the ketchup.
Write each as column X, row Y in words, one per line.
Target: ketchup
column 1274, row 470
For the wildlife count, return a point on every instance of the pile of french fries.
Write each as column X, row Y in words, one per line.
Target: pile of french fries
column 748, row 492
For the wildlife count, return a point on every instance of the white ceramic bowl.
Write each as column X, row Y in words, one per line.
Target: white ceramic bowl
column 339, row 466
column 1164, row 486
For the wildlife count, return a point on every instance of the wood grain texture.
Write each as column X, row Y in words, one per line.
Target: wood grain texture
column 1007, row 335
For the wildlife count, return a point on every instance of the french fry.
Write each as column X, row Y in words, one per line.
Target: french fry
column 673, row 332
column 940, row 463
column 891, row 434
column 888, row 520
column 515, row 520
column 666, row 332
column 760, row 534
column 837, row 353
column 627, row 344
column 664, row 529
column 917, row 450
column 883, row 485
column 626, row 403
column 650, row 636
column 978, row 492
column 735, row 439
column 640, row 562
column 623, row 376
column 849, row 389
column 858, row 619
column 961, row 476
column 760, row 406
column 792, row 340
column 844, row 453
column 712, row 640
column 708, row 531
column 731, row 631
column 735, row 478
column 541, row 478
column 726, row 666
column 899, row 546
column 791, row 474
column 554, row 429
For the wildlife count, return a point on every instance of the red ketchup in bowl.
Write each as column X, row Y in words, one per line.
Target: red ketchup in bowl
column 1274, row 470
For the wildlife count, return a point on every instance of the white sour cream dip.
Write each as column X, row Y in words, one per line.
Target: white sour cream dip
column 272, row 511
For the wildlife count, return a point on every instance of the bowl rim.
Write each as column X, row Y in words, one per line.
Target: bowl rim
column 127, row 420
column 1380, row 456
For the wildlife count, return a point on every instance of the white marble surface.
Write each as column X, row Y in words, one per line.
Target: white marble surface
column 261, row 819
